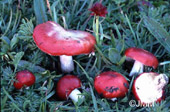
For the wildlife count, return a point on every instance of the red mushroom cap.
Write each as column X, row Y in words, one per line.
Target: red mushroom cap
column 142, row 56
column 53, row 39
column 66, row 85
column 24, row 78
column 111, row 84
column 151, row 75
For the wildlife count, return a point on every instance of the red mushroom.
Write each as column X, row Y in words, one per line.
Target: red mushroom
column 111, row 85
column 141, row 57
column 24, row 78
column 54, row 40
column 149, row 87
column 68, row 86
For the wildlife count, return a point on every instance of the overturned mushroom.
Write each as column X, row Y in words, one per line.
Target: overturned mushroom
column 149, row 87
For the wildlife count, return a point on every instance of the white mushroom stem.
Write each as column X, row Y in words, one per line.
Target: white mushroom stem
column 137, row 68
column 114, row 99
column 67, row 64
column 75, row 95
column 27, row 88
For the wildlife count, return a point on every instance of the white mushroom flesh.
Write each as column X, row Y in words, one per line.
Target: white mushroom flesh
column 149, row 87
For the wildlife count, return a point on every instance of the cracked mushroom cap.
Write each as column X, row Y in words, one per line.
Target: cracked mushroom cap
column 111, row 85
column 66, row 85
column 53, row 39
column 142, row 56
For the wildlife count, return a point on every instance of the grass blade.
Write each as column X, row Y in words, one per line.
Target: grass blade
column 158, row 32
column 39, row 10
column 9, row 24
column 94, row 99
column 87, row 76
column 131, row 29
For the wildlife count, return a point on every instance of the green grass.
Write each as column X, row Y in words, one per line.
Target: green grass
column 127, row 24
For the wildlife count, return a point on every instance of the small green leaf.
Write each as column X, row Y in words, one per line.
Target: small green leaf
column 5, row 44
column 13, row 41
column 17, row 59
column 114, row 55
column 5, row 40
column 122, row 60
column 120, row 46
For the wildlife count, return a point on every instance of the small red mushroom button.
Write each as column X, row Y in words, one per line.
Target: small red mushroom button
column 54, row 40
column 111, row 85
column 24, row 78
column 67, row 87
column 141, row 57
column 149, row 87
